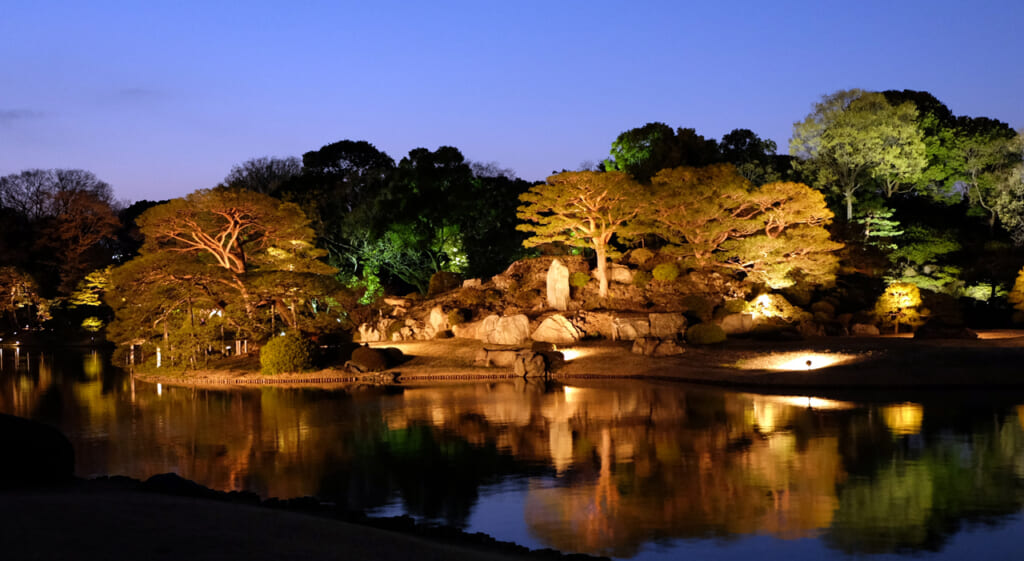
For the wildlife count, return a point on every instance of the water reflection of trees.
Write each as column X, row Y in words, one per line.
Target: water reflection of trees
column 623, row 463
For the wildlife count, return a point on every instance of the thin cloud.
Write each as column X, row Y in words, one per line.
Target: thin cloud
column 12, row 116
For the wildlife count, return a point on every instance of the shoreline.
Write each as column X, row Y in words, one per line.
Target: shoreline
column 834, row 363
column 169, row 517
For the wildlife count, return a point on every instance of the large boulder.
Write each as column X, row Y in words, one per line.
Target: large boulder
column 601, row 324
column 34, row 454
column 737, row 323
column 667, row 326
column 558, row 286
column 509, row 330
column 366, row 359
column 620, row 274
column 558, row 330
column 502, row 358
column 369, row 333
column 631, row 327
column 941, row 330
column 529, row 364
column 437, row 320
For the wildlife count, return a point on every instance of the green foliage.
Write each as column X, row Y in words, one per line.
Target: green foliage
column 642, row 278
column 443, row 281
column 855, row 139
column 579, row 279
column 880, row 228
column 286, row 353
column 705, row 334
column 643, row 151
column 666, row 272
column 457, row 316
column 698, row 306
column 640, row 256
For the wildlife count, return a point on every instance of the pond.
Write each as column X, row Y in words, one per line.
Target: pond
column 627, row 469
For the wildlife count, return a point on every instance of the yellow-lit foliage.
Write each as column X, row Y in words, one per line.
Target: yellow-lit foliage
column 1016, row 296
column 900, row 304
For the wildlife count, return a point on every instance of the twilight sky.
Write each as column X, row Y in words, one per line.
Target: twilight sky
column 160, row 98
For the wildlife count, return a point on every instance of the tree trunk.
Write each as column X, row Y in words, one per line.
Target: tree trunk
column 849, row 205
column 602, row 272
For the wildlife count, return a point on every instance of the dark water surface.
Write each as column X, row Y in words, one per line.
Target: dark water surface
column 623, row 468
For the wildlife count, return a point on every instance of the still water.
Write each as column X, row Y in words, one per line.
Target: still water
column 626, row 469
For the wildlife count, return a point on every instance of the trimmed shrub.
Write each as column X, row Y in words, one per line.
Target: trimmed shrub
column 457, row 316
column 640, row 256
column 443, row 281
column 705, row 334
column 666, row 272
column 288, row 353
column 735, row 306
column 641, row 279
column 697, row 306
column 579, row 279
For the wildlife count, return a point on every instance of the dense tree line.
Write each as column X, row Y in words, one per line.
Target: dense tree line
column 922, row 196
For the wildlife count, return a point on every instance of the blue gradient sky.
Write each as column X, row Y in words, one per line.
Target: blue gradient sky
column 162, row 98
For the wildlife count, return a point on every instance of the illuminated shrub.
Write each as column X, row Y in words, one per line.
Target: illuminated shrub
column 705, row 334
column 775, row 306
column 900, row 304
column 640, row 256
column 457, row 316
column 1016, row 296
column 735, row 306
column 288, row 353
column 579, row 279
column 641, row 279
column 666, row 272
column 443, row 281
column 393, row 329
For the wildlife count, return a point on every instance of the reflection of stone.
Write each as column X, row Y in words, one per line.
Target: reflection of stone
column 556, row 329
column 558, row 286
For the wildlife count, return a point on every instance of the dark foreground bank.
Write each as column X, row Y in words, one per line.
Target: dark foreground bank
column 46, row 513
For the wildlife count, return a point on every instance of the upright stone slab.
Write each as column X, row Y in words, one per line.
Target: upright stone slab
column 558, row 286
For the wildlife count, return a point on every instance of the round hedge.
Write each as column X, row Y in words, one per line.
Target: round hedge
column 579, row 279
column 705, row 334
column 666, row 272
column 287, row 353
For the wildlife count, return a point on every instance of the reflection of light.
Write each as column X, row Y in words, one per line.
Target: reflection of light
column 796, row 361
column 903, row 418
column 812, row 402
column 571, row 354
column 159, row 389
column 571, row 394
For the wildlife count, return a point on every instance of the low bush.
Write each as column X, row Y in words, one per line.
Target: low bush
column 579, row 279
column 666, row 272
column 641, row 279
column 457, row 316
column 288, row 353
column 640, row 256
column 705, row 334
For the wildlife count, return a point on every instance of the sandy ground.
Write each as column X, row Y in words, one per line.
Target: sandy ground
column 115, row 524
column 996, row 359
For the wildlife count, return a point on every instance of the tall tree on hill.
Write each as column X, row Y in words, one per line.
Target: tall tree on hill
column 582, row 209
column 263, row 175
column 854, row 139
column 643, row 151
